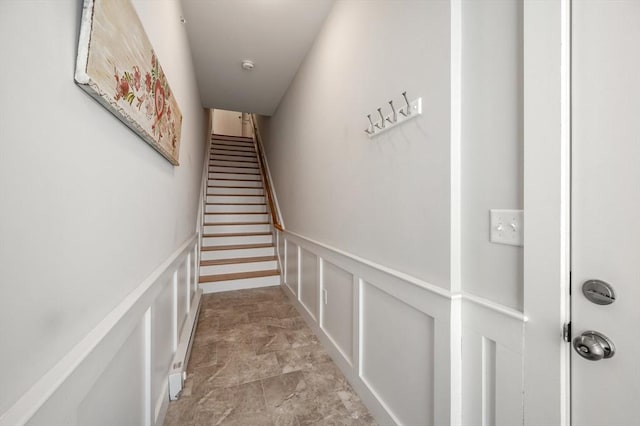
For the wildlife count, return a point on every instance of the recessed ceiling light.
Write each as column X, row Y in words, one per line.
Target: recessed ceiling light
column 247, row 65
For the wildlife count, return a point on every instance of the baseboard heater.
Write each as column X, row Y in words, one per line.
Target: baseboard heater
column 178, row 373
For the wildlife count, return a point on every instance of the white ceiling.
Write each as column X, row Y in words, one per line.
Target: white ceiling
column 274, row 34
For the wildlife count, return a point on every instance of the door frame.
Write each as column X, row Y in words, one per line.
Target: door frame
column 547, row 203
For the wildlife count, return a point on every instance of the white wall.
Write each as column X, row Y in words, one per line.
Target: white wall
column 491, row 145
column 386, row 202
column 88, row 209
column 385, row 199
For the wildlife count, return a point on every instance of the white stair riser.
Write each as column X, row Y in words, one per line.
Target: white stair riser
column 251, row 183
column 232, row 254
column 223, row 169
column 230, row 218
column 235, row 199
column 238, row 267
column 232, row 156
column 236, row 208
column 228, row 241
column 246, row 283
column 232, row 163
column 237, row 191
column 223, row 150
column 233, row 143
column 234, row 176
column 234, row 229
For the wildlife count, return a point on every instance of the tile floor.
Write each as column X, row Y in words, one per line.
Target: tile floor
column 255, row 362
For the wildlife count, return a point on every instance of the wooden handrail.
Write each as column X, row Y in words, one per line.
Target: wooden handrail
column 257, row 142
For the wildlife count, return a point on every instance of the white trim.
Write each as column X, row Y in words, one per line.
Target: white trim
column 401, row 275
column 565, row 203
column 455, row 148
column 496, row 307
column 455, row 249
column 464, row 296
column 546, row 204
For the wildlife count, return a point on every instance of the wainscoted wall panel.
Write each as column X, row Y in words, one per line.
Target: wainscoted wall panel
column 337, row 318
column 415, row 353
column 118, row 374
column 103, row 406
column 291, row 267
column 388, row 333
column 181, row 295
column 280, row 249
column 309, row 289
column 162, row 340
column 492, row 364
column 398, row 353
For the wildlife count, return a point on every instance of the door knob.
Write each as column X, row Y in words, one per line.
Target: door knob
column 594, row 346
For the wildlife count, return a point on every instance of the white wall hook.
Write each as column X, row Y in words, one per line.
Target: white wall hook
column 407, row 112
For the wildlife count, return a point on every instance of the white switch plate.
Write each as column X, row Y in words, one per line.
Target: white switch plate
column 507, row 227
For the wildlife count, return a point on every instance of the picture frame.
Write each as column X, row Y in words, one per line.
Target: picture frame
column 117, row 66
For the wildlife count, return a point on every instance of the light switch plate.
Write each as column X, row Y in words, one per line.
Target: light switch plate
column 507, row 227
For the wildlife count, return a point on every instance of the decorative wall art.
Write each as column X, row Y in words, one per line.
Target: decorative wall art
column 118, row 67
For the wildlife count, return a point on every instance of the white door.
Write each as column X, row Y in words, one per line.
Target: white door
column 606, row 208
column 227, row 123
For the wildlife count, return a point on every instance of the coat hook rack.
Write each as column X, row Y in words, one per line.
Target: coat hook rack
column 398, row 116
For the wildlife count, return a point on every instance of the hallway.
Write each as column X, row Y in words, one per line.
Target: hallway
column 256, row 362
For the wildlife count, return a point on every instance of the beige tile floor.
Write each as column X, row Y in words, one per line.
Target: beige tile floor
column 255, row 362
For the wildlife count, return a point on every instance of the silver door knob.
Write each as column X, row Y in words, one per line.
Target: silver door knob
column 594, row 346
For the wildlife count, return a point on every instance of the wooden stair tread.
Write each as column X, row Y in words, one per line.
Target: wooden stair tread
column 238, row 276
column 234, row 195
column 233, row 167
column 235, row 213
column 246, row 152
column 235, row 223
column 234, row 173
column 229, row 137
column 236, row 260
column 242, row 172
column 238, row 234
column 238, row 179
column 232, row 161
column 234, row 187
column 241, row 144
column 237, row 247
column 245, row 164
column 240, row 139
column 236, row 204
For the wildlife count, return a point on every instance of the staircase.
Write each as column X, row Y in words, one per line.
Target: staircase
column 237, row 250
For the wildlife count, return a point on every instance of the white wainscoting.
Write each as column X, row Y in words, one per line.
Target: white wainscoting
column 387, row 332
column 117, row 375
column 492, row 363
column 395, row 339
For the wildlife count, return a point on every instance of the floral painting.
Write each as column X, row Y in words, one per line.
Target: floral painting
column 118, row 67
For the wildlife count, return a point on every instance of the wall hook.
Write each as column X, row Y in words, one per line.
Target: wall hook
column 381, row 117
column 395, row 114
column 398, row 116
column 408, row 107
column 370, row 130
